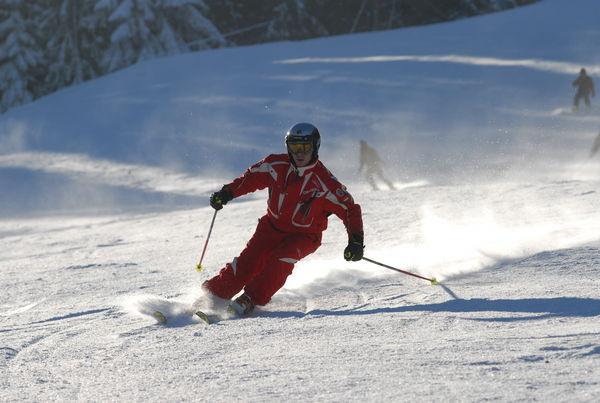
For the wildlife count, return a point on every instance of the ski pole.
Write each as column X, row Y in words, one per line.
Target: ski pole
column 212, row 223
column 432, row 280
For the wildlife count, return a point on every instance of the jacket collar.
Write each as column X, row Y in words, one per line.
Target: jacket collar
column 302, row 170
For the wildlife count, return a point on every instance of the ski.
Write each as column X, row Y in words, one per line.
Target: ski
column 208, row 319
column 240, row 307
column 161, row 318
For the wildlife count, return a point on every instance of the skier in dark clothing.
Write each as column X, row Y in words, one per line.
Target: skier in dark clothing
column 372, row 162
column 595, row 146
column 585, row 88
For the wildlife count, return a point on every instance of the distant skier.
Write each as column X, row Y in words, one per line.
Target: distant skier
column 372, row 162
column 585, row 88
column 302, row 195
column 595, row 146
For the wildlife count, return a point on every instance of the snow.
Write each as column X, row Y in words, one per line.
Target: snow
column 105, row 213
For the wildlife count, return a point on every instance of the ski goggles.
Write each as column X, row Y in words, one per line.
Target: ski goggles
column 297, row 148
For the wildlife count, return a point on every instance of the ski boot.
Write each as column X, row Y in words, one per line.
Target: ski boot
column 241, row 306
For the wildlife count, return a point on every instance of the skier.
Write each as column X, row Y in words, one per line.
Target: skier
column 595, row 146
column 585, row 88
column 302, row 195
column 370, row 159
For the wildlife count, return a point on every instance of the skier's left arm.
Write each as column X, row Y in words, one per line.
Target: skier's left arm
column 342, row 205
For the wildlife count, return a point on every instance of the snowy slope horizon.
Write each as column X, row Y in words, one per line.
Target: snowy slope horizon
column 497, row 196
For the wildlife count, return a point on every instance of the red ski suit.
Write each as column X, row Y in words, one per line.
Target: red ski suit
column 300, row 201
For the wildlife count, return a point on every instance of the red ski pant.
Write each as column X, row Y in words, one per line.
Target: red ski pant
column 263, row 266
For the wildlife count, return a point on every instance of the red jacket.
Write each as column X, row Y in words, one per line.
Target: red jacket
column 300, row 199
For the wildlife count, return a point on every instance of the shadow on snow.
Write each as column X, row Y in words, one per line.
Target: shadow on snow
column 541, row 308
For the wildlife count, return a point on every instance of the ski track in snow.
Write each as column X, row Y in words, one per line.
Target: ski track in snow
column 542, row 65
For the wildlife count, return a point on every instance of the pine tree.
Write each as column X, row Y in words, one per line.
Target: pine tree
column 72, row 45
column 48, row 44
column 20, row 52
column 194, row 30
column 144, row 29
column 293, row 21
column 130, row 35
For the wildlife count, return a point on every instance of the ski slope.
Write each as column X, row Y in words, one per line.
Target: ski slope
column 105, row 212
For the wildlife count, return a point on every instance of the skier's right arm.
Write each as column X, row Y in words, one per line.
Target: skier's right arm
column 220, row 198
column 258, row 176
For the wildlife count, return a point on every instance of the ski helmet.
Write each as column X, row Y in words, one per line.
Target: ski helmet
column 304, row 133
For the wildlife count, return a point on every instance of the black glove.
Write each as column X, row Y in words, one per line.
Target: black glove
column 220, row 198
column 354, row 250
